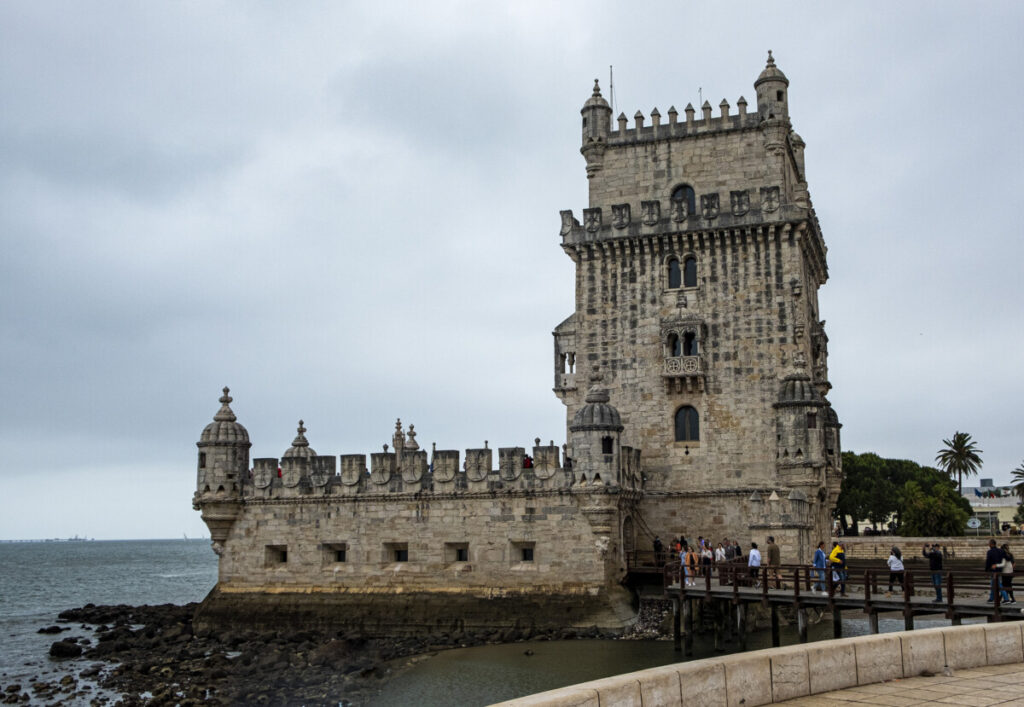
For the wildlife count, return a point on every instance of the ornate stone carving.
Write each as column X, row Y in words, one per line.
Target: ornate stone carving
column 740, row 202
column 650, row 212
column 620, row 215
column 769, row 199
column 592, row 219
column 680, row 210
column 709, row 206
column 568, row 221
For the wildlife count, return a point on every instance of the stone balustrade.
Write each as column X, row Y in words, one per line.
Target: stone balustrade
column 780, row 674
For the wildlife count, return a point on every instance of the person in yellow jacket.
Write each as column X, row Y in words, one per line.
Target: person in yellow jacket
column 837, row 559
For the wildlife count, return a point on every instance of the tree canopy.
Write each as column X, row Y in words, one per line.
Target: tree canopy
column 960, row 456
column 919, row 500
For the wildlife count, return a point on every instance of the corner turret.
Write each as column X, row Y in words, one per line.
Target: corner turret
column 597, row 116
column 595, row 433
column 222, row 466
column 772, row 88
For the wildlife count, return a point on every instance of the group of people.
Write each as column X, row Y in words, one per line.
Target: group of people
column 697, row 559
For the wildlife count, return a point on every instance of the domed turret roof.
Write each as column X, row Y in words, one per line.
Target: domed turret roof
column 797, row 389
column 224, row 429
column 596, row 99
column 300, row 446
column 771, row 72
column 597, row 414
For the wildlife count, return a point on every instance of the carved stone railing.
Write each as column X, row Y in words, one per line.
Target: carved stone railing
column 683, row 366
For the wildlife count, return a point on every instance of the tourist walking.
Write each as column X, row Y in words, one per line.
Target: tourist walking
column 993, row 563
column 659, row 551
column 754, row 563
column 934, row 555
column 837, row 559
column 1007, row 575
column 895, row 563
column 820, row 562
column 719, row 553
column 774, row 560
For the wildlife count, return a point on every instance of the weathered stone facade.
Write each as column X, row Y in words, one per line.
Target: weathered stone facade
column 698, row 264
column 696, row 339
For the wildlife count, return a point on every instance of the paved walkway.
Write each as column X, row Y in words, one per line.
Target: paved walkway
column 973, row 687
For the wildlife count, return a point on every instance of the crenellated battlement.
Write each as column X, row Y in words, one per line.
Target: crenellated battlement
column 690, row 126
column 443, row 471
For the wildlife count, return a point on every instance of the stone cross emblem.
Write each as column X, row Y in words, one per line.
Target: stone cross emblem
column 650, row 212
column 680, row 210
column 709, row 206
column 620, row 215
column 740, row 202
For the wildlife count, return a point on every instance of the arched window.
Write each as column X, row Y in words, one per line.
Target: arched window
column 689, row 344
column 675, row 278
column 690, row 272
column 684, row 192
column 606, row 445
column 687, row 424
column 675, row 349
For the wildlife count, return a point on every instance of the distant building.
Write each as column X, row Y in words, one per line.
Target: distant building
column 993, row 505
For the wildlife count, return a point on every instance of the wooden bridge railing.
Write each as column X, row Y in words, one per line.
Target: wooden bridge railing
column 861, row 586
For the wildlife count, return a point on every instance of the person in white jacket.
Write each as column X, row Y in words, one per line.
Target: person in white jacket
column 895, row 563
column 754, row 563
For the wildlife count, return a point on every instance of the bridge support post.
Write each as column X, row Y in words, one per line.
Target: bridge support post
column 719, row 632
column 801, row 623
column 908, row 620
column 741, row 625
column 677, row 641
column 873, row 621
column 957, row 620
column 837, row 623
column 688, row 617
column 776, row 642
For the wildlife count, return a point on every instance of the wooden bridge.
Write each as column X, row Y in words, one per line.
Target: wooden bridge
column 723, row 592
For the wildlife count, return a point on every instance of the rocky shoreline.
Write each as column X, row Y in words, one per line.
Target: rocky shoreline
column 150, row 655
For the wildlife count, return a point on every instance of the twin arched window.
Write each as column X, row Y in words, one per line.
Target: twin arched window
column 682, row 276
column 683, row 346
column 687, row 424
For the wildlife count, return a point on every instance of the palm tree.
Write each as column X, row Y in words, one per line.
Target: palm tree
column 960, row 456
column 1018, row 481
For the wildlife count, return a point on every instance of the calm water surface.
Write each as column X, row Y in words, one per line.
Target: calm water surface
column 39, row 580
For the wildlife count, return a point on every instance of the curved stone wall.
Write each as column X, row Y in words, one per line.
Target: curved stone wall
column 780, row 674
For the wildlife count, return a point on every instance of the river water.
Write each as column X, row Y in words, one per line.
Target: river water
column 39, row 580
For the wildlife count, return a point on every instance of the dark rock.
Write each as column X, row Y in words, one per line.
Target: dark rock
column 65, row 649
column 54, row 629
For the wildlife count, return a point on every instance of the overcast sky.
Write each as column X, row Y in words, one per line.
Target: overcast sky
column 348, row 213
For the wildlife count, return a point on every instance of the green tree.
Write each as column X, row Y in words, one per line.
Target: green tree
column 1018, row 517
column 960, row 456
column 935, row 514
column 873, row 490
column 1018, row 481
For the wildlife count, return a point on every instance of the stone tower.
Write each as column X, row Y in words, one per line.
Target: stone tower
column 698, row 264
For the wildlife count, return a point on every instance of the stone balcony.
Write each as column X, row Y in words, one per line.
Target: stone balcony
column 684, row 373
